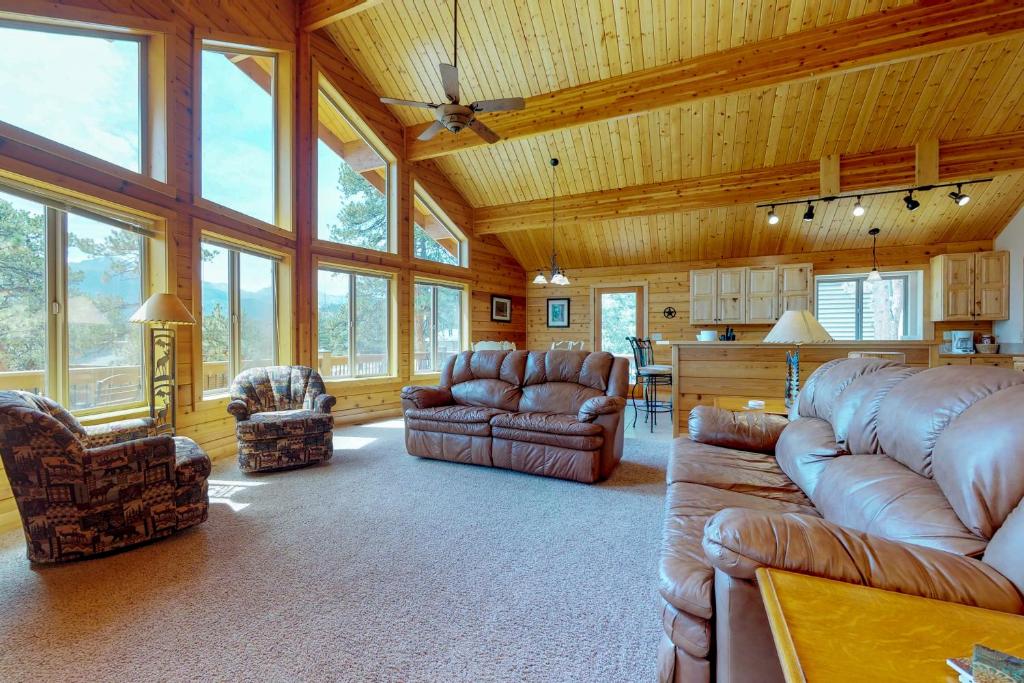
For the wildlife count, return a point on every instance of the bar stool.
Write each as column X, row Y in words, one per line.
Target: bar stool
column 651, row 375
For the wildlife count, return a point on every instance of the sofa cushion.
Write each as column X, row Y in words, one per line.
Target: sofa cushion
column 487, row 393
column 804, row 449
column 282, row 423
column 685, row 576
column 855, row 412
column 547, row 423
column 442, row 427
column 576, row 442
column 833, row 383
column 733, row 470
column 462, row 414
column 877, row 495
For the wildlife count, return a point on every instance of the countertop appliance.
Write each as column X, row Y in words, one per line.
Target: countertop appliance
column 961, row 341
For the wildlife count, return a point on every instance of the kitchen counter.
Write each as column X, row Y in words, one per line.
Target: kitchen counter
column 1004, row 351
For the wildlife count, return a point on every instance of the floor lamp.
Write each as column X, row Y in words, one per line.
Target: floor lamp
column 162, row 313
column 796, row 328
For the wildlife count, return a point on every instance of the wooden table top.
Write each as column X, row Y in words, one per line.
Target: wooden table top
column 738, row 404
column 828, row 631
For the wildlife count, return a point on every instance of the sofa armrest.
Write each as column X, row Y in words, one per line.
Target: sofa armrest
column 594, row 407
column 240, row 409
column 427, row 397
column 741, row 431
column 323, row 403
column 119, row 432
column 737, row 541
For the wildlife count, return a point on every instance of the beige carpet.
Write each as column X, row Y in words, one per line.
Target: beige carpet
column 375, row 567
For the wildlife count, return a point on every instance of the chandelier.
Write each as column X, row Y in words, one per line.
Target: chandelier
column 557, row 274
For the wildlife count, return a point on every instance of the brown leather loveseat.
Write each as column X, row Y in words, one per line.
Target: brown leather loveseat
column 556, row 413
column 903, row 479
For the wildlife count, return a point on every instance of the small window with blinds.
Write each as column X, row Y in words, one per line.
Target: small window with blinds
column 853, row 308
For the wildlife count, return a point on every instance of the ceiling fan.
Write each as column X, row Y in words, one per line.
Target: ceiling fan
column 455, row 116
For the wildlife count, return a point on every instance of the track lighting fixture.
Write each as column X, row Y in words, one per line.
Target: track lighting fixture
column 959, row 197
column 909, row 200
column 809, row 213
column 858, row 210
column 773, row 218
column 874, row 275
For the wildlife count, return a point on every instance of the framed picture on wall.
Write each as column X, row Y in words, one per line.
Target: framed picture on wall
column 501, row 309
column 558, row 312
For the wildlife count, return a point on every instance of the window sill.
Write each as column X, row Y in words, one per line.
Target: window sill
column 436, row 376
column 114, row 415
column 360, row 381
column 244, row 219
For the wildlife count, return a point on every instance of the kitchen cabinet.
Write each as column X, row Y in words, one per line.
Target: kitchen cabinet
column 732, row 295
column 968, row 287
column 755, row 295
column 796, row 288
column 762, row 295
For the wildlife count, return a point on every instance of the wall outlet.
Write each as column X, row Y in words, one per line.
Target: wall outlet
column 656, row 336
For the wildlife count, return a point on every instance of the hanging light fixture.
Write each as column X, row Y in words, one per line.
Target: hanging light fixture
column 874, row 275
column 858, row 210
column 773, row 218
column 809, row 213
column 558, row 276
column 959, row 196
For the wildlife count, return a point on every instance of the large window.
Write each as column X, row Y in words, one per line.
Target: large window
column 239, row 130
column 434, row 236
column 851, row 307
column 69, row 281
column 81, row 89
column 438, row 325
column 353, row 323
column 239, row 320
column 352, row 183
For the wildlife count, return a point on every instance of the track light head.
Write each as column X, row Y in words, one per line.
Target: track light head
column 809, row 213
column 909, row 200
column 858, row 210
column 959, row 197
column 773, row 218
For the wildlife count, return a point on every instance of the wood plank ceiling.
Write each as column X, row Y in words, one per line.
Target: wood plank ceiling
column 530, row 47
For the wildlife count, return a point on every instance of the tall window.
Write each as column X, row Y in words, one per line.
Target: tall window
column 239, row 298
column 352, row 183
column 438, row 330
column 81, row 89
column 850, row 307
column 434, row 237
column 80, row 349
column 239, row 131
column 353, row 324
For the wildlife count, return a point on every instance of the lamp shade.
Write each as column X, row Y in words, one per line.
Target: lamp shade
column 163, row 308
column 798, row 327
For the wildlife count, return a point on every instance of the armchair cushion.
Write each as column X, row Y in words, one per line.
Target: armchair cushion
column 277, row 388
column 283, row 423
column 738, row 541
column 141, row 454
column 118, row 432
column 592, row 408
column 741, row 431
column 428, row 397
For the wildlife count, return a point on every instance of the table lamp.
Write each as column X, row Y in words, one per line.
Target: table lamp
column 162, row 313
column 796, row 328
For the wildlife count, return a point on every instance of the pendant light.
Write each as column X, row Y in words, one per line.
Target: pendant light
column 874, row 275
column 557, row 274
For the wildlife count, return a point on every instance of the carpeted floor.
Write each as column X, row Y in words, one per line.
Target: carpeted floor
column 376, row 567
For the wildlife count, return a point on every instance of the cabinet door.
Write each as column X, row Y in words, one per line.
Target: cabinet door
column 732, row 295
column 1006, row 362
column 703, row 289
column 958, row 286
column 992, row 285
column 796, row 288
column 762, row 288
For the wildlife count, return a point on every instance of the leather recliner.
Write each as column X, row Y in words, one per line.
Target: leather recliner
column 555, row 413
column 903, row 479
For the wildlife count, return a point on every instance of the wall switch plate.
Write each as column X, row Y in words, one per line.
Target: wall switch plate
column 656, row 336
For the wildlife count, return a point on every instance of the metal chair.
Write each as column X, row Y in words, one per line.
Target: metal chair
column 651, row 375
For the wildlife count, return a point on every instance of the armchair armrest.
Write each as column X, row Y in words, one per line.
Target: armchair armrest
column 741, row 431
column 240, row 409
column 323, row 403
column 152, row 450
column 427, row 397
column 119, row 432
column 594, row 407
column 737, row 541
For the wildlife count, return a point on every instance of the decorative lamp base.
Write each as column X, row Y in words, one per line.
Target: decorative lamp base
column 792, row 376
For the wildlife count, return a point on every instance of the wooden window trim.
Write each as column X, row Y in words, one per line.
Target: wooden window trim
column 466, row 333
column 419, row 192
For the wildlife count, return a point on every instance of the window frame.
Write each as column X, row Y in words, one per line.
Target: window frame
column 913, row 311
column 465, row 333
column 155, row 96
column 391, row 276
column 322, row 83
column 282, row 96
column 421, row 194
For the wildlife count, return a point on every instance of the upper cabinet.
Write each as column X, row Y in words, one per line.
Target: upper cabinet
column 971, row 286
column 748, row 296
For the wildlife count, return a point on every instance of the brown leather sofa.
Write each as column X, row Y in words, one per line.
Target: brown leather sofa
column 556, row 413
column 929, row 503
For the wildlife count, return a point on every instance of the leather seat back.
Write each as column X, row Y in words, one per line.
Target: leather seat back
column 561, row 381
column 490, row 379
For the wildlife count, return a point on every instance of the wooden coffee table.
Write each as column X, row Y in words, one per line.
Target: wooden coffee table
column 831, row 631
column 738, row 404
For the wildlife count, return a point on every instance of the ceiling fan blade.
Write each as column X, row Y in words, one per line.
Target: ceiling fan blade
column 503, row 104
column 408, row 103
column 431, row 130
column 483, row 131
column 450, row 82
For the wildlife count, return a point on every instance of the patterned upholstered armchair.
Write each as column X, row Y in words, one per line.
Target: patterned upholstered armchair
column 83, row 491
column 283, row 416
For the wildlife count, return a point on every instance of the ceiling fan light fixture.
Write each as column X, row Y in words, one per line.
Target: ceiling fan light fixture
column 911, row 203
column 858, row 209
column 809, row 213
column 773, row 218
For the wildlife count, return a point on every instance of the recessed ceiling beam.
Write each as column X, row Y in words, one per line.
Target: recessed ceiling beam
column 319, row 13
column 958, row 160
column 872, row 40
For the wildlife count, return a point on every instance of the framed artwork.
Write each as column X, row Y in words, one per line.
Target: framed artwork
column 558, row 312
column 501, row 309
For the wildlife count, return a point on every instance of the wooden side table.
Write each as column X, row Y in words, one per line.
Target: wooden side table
column 831, row 631
column 738, row 404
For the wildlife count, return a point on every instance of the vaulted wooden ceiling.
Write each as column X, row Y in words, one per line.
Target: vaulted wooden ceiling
column 962, row 82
